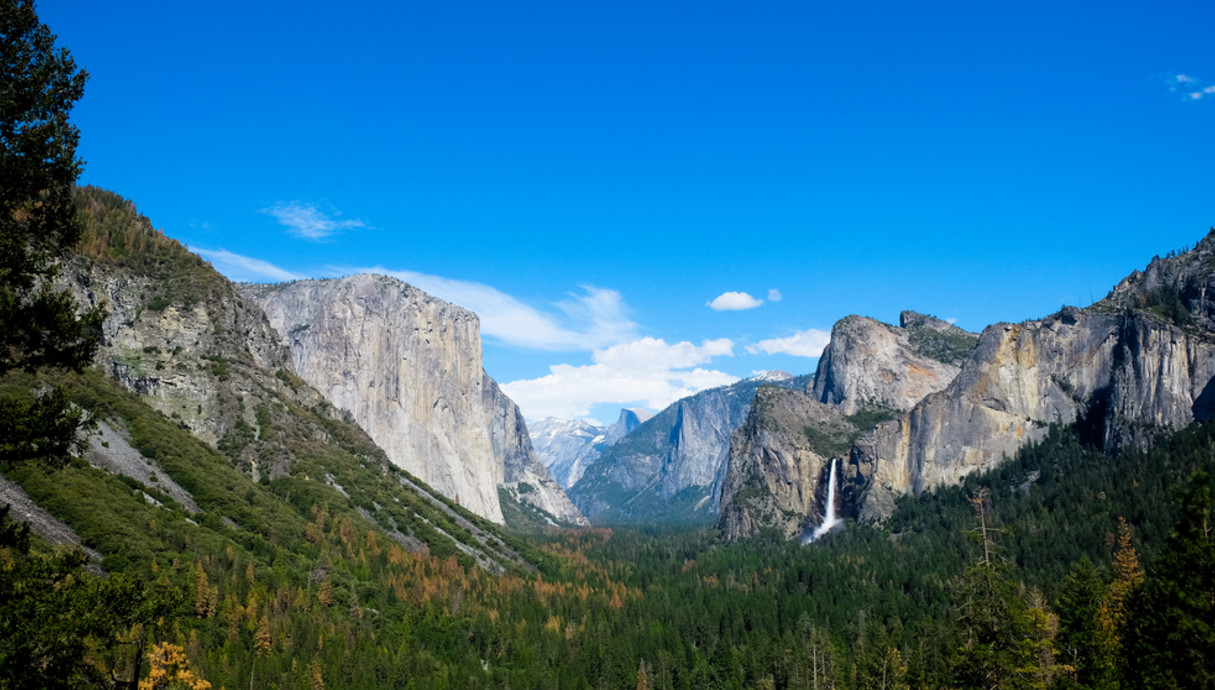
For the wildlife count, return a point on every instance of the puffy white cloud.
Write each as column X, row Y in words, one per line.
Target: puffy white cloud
column 808, row 343
column 244, row 268
column 734, row 301
column 648, row 371
column 596, row 318
column 309, row 222
column 774, row 295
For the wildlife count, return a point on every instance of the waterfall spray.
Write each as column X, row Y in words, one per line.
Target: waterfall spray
column 830, row 519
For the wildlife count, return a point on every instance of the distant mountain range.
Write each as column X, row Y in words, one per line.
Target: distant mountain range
column 668, row 468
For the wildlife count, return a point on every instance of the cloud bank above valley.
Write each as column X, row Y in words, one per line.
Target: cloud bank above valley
column 648, row 371
column 628, row 366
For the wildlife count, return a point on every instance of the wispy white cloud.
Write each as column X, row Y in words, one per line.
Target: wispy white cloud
column 648, row 371
column 808, row 343
column 243, row 268
column 309, row 222
column 1190, row 86
column 734, row 301
column 774, row 295
column 595, row 318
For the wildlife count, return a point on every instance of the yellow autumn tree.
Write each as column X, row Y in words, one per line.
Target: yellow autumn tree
column 1111, row 615
column 168, row 667
column 204, row 601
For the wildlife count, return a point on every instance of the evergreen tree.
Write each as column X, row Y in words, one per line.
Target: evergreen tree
column 1171, row 642
column 1080, row 599
column 38, row 167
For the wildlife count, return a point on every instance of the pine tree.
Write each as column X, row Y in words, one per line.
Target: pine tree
column 1080, row 598
column 1171, row 638
column 1112, row 613
column 38, row 167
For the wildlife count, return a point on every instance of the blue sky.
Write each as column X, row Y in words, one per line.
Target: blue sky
column 591, row 176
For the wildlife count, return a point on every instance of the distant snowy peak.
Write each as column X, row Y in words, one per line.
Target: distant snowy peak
column 774, row 376
column 566, row 446
column 550, row 428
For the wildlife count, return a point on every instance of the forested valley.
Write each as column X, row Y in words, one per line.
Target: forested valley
column 1064, row 568
column 289, row 552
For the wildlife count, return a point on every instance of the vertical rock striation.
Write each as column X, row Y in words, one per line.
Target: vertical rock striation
column 869, row 363
column 525, row 478
column 406, row 366
column 671, row 467
column 1137, row 364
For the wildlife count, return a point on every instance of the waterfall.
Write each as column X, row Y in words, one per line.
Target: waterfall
column 830, row 518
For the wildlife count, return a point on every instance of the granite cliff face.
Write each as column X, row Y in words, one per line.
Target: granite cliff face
column 1126, row 376
column 869, row 372
column 629, row 420
column 671, row 467
column 872, row 364
column 525, row 478
column 1139, row 363
column 180, row 335
column 183, row 338
column 777, row 473
column 407, row 367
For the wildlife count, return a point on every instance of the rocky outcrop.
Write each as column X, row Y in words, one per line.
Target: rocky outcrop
column 180, row 336
column 630, row 419
column 193, row 358
column 776, row 470
column 872, row 364
column 406, row 366
column 672, row 466
column 1125, row 376
column 868, row 372
column 1137, row 364
column 525, row 478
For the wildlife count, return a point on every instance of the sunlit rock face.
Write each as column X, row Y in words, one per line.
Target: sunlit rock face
column 778, row 465
column 406, row 366
column 524, row 476
column 1125, row 376
column 776, row 472
column 869, row 363
column 671, row 467
column 1137, row 364
column 1134, row 365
